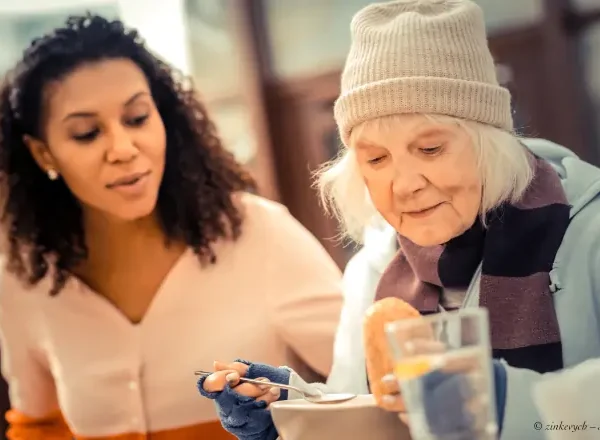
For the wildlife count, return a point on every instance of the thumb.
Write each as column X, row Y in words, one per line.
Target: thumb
column 241, row 368
column 219, row 366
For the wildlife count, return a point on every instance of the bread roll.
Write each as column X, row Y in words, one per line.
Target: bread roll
column 378, row 356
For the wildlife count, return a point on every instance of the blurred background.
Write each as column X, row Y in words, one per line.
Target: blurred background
column 269, row 72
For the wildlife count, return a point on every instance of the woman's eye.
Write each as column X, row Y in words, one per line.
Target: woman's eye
column 376, row 160
column 87, row 137
column 431, row 150
column 136, row 122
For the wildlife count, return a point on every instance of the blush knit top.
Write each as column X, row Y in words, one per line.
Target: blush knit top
column 77, row 368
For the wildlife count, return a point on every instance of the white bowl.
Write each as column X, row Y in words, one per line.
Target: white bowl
column 356, row 419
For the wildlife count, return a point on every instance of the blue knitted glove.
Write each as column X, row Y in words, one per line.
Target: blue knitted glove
column 243, row 416
column 500, row 383
column 444, row 399
column 445, row 396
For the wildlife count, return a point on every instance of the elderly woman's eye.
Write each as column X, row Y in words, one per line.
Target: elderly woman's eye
column 376, row 160
column 431, row 150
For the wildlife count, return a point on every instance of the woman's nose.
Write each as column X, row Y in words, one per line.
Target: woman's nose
column 408, row 181
column 121, row 147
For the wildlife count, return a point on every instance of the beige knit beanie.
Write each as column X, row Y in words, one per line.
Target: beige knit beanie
column 420, row 56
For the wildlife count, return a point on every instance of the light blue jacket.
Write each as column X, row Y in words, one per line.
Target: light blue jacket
column 575, row 281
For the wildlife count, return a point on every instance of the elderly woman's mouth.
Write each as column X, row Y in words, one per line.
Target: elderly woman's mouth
column 422, row 213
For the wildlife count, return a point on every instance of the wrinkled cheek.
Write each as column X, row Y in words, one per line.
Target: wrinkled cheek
column 382, row 199
column 467, row 201
column 372, row 190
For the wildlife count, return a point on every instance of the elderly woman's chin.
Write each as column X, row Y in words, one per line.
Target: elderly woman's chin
column 434, row 230
column 428, row 236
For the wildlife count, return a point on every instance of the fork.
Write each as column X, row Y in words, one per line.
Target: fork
column 318, row 397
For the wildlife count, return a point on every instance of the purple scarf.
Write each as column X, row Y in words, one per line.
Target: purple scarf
column 516, row 251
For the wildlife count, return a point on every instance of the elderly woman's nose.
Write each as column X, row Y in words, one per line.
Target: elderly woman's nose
column 407, row 181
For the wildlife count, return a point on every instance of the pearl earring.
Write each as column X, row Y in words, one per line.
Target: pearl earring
column 52, row 174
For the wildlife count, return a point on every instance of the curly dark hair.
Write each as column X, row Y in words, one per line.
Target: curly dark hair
column 43, row 221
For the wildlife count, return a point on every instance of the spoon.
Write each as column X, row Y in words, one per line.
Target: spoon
column 317, row 397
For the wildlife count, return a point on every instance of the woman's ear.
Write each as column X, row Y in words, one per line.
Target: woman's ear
column 41, row 154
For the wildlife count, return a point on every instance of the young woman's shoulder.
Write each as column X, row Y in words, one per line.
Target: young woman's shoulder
column 271, row 229
column 253, row 205
column 18, row 300
column 262, row 215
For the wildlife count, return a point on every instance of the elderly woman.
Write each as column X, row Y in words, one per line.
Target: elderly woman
column 482, row 217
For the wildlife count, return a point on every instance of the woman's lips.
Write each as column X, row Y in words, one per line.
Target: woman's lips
column 131, row 187
column 423, row 213
column 127, row 180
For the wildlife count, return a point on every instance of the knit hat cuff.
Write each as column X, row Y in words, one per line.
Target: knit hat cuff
column 476, row 101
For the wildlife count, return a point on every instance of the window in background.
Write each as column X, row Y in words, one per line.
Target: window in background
column 509, row 14
column 590, row 55
column 311, row 37
column 586, row 5
column 216, row 67
column 18, row 30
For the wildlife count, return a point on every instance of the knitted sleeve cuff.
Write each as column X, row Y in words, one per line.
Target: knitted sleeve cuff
column 255, row 370
column 274, row 374
column 243, row 416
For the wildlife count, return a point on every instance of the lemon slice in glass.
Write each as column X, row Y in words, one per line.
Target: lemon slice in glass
column 414, row 367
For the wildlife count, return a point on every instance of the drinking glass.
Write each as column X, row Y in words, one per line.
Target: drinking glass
column 443, row 365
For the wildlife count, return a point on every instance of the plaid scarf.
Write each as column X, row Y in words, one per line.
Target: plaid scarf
column 516, row 252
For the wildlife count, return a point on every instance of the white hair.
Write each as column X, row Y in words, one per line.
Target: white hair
column 504, row 166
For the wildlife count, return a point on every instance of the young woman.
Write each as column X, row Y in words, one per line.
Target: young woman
column 482, row 217
column 135, row 253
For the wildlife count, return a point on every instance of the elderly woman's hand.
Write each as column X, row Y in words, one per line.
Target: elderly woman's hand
column 444, row 394
column 230, row 374
column 392, row 399
column 453, row 402
column 243, row 407
column 420, row 343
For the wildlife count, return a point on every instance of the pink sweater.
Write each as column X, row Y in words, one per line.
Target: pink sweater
column 273, row 294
